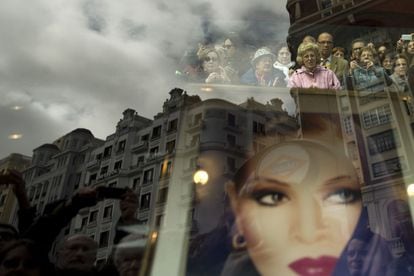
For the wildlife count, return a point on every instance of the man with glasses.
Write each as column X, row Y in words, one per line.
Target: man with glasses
column 337, row 65
column 356, row 47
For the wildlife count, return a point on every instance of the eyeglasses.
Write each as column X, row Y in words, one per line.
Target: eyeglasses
column 208, row 59
column 401, row 64
column 227, row 46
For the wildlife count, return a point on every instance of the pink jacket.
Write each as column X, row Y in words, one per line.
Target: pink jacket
column 321, row 78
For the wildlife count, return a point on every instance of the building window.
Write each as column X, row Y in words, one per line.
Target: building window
column 159, row 220
column 197, row 119
column 84, row 221
column 145, row 201
column 231, row 140
column 76, row 181
column 172, row 125
column 162, row 195
column 145, row 138
column 382, row 142
column 104, row 171
column 259, row 128
column 148, row 175
column 107, row 152
column 112, row 184
column 156, row 132
column 165, row 169
column 107, row 212
column 104, row 239
column 388, row 167
column 231, row 120
column 231, row 164
column 195, row 140
column 348, row 125
column 99, row 156
column 377, row 116
column 153, row 152
column 140, row 161
column 92, row 178
column 93, row 216
column 135, row 183
column 121, row 146
column 118, row 165
column 170, row 146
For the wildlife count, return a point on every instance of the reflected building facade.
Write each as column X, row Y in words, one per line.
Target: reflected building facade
column 156, row 158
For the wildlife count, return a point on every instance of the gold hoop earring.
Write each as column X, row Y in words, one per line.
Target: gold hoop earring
column 238, row 241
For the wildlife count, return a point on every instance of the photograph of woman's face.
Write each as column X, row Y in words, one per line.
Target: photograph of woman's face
column 297, row 210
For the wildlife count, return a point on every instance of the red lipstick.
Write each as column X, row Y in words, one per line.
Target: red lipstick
column 322, row 266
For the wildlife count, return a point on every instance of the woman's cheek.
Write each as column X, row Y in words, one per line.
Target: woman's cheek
column 250, row 224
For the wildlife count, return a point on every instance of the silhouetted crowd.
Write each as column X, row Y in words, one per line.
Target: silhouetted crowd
column 35, row 248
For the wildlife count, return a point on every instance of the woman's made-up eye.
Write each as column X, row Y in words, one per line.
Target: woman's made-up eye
column 343, row 196
column 269, row 198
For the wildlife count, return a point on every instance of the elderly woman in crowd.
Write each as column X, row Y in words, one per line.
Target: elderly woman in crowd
column 212, row 71
column 283, row 61
column 311, row 74
column 263, row 73
column 399, row 77
column 366, row 75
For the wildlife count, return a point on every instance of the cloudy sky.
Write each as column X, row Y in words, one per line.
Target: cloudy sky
column 80, row 63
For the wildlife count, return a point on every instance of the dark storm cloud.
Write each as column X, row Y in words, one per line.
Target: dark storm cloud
column 81, row 63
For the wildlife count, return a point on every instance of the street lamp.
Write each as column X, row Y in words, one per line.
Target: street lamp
column 200, row 177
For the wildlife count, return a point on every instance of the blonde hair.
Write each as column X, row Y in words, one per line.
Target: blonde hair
column 304, row 47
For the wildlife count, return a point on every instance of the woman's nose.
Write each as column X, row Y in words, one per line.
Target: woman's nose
column 307, row 225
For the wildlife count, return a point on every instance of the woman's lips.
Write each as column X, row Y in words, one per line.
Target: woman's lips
column 322, row 266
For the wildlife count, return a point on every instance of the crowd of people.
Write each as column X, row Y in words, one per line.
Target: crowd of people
column 28, row 250
column 319, row 63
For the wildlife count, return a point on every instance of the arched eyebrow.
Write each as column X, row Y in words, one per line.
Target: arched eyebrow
column 251, row 183
column 339, row 178
column 269, row 180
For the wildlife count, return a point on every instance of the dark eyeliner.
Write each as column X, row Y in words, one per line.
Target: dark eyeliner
column 260, row 194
